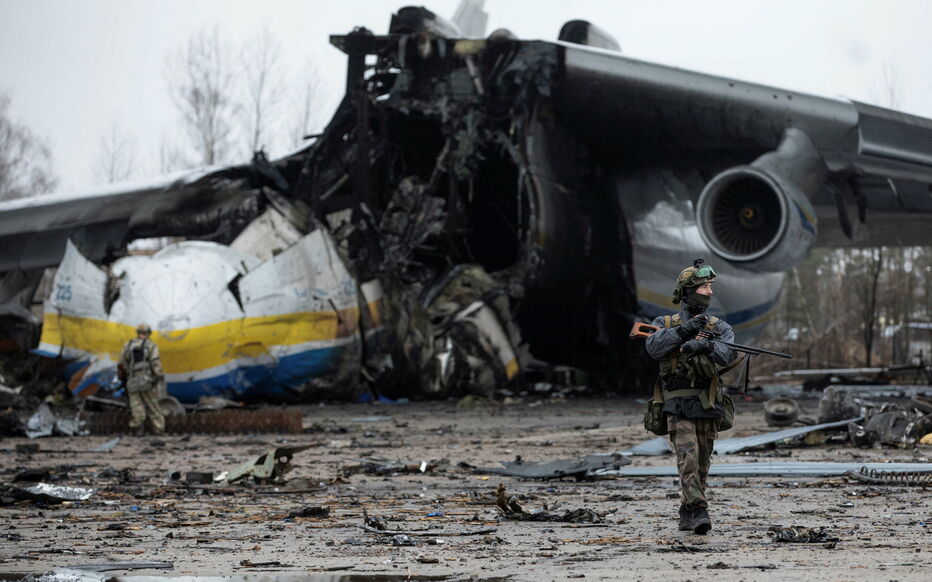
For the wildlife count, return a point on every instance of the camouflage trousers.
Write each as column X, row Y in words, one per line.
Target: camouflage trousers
column 144, row 405
column 692, row 440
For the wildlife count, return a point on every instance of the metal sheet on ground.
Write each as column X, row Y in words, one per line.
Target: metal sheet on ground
column 738, row 444
column 798, row 469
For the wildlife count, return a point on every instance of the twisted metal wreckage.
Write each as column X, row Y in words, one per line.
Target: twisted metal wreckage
column 477, row 210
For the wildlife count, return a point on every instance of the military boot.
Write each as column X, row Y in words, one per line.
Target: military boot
column 701, row 522
column 686, row 518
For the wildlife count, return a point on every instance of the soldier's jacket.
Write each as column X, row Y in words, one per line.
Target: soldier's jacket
column 143, row 365
column 665, row 342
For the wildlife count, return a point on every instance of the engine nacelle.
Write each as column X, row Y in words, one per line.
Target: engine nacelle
column 759, row 217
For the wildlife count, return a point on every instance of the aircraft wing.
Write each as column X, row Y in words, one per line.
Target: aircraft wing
column 213, row 203
column 866, row 170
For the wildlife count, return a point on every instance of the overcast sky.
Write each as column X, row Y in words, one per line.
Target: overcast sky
column 76, row 69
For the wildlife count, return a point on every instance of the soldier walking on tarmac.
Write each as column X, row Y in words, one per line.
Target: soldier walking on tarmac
column 689, row 379
column 141, row 369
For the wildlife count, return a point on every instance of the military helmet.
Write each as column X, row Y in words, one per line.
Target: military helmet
column 694, row 276
column 144, row 328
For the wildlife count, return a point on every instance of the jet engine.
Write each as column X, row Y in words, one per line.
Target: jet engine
column 758, row 216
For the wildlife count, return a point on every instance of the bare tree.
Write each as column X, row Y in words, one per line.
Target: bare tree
column 25, row 160
column 866, row 289
column 115, row 160
column 264, row 87
column 201, row 77
column 171, row 158
column 306, row 98
column 890, row 88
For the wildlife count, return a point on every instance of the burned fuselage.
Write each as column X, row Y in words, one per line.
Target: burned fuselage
column 453, row 151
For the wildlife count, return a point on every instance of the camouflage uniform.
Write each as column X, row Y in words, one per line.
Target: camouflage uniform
column 140, row 359
column 692, row 419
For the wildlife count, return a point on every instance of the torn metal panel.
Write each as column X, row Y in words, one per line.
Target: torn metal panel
column 47, row 421
column 661, row 445
column 269, row 466
column 34, row 231
column 579, row 468
column 44, row 492
column 891, row 425
column 226, row 323
column 267, row 235
column 474, row 338
column 653, row 447
column 738, row 444
column 799, row 469
column 19, row 327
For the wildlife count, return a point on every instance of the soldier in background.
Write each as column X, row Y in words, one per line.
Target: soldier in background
column 141, row 370
column 689, row 379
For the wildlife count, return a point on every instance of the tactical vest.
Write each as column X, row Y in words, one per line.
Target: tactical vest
column 138, row 355
column 696, row 368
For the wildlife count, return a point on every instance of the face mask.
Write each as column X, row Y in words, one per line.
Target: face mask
column 695, row 300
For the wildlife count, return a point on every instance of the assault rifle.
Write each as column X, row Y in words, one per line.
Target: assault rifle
column 645, row 330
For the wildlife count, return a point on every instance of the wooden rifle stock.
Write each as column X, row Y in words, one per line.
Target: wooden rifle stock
column 642, row 330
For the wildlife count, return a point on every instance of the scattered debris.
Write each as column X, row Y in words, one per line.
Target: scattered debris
column 581, row 468
column 689, row 549
column 69, row 575
column 385, row 466
column 725, row 566
column 511, row 509
column 270, row 466
column 27, row 448
column 879, row 477
column 891, row 424
column 318, row 511
column 273, row 564
column 738, row 444
column 402, row 540
column 801, row 535
column 838, row 403
column 798, row 469
column 60, row 421
column 431, row 533
column 781, row 411
column 108, row 566
column 652, row 447
column 215, row 403
column 199, row 477
column 107, row 446
column 43, row 492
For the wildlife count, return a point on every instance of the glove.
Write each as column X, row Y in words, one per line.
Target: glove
column 697, row 346
column 691, row 326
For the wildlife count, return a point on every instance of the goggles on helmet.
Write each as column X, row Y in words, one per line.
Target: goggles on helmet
column 705, row 271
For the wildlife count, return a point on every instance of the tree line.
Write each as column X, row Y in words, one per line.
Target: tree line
column 861, row 307
column 231, row 99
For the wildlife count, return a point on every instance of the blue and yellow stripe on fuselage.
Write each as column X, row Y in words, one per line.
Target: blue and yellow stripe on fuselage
column 244, row 356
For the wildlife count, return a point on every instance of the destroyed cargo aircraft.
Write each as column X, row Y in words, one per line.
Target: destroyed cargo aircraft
column 480, row 209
